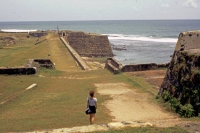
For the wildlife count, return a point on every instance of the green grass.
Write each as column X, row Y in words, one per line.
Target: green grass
column 60, row 101
column 56, row 102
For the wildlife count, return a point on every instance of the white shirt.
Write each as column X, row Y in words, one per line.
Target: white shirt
column 92, row 102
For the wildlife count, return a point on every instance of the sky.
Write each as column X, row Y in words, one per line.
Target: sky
column 73, row 10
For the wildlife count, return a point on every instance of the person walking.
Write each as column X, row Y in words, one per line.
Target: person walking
column 92, row 104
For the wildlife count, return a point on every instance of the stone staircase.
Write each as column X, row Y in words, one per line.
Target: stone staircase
column 113, row 65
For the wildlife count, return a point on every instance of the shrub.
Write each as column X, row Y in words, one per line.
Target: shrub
column 175, row 104
column 158, row 97
column 166, row 96
column 186, row 110
column 196, row 76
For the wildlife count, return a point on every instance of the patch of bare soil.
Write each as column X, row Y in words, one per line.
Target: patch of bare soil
column 95, row 65
column 153, row 77
column 130, row 105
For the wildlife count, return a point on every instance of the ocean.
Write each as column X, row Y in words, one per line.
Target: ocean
column 141, row 41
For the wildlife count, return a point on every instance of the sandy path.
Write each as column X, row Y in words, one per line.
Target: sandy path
column 130, row 105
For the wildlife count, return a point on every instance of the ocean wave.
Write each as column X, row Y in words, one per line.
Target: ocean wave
column 16, row 30
column 140, row 38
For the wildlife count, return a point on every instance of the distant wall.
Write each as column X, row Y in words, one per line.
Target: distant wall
column 139, row 67
column 30, row 68
column 18, row 71
column 38, row 34
column 47, row 63
column 188, row 40
column 114, row 66
column 89, row 45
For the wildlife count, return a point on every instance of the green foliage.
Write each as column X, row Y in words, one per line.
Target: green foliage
column 181, row 59
column 187, row 110
column 184, row 110
column 166, row 96
column 175, row 104
column 195, row 76
column 158, row 96
column 184, row 91
column 185, row 80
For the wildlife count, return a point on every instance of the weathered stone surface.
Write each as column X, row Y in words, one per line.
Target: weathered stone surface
column 47, row 63
column 30, row 67
column 18, row 70
column 89, row 44
column 139, row 67
column 113, row 65
column 182, row 79
column 188, row 40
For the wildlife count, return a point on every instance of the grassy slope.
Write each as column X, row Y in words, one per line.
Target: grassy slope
column 59, row 100
column 60, row 97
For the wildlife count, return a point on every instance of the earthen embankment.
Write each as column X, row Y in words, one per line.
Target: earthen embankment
column 76, row 56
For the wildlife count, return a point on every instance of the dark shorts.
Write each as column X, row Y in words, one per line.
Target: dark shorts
column 93, row 109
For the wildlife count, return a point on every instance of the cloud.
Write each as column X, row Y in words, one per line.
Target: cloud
column 165, row 5
column 190, row 4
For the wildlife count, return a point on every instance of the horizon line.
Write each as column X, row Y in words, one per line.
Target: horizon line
column 97, row 20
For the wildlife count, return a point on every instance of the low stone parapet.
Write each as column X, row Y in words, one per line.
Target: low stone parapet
column 38, row 34
column 114, row 66
column 18, row 71
column 30, row 67
column 139, row 67
column 47, row 63
column 76, row 56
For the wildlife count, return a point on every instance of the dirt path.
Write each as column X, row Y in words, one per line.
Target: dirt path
column 130, row 105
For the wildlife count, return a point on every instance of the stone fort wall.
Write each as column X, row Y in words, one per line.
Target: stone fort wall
column 188, row 40
column 182, row 79
column 89, row 45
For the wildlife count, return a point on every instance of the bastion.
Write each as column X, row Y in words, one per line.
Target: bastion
column 88, row 44
column 182, row 80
